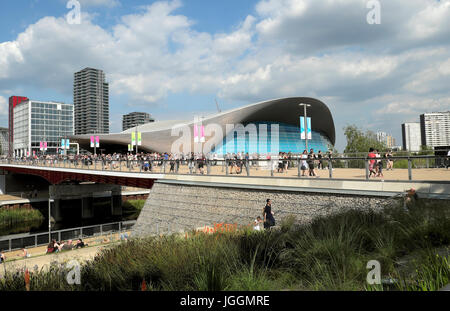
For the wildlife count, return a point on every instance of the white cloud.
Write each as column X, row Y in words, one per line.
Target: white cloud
column 97, row 3
column 3, row 106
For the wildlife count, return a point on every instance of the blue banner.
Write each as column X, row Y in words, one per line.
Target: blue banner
column 308, row 122
column 302, row 127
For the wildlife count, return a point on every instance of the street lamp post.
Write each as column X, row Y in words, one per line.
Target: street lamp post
column 50, row 201
column 136, row 138
column 306, row 124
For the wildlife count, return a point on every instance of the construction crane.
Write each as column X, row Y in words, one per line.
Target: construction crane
column 217, row 105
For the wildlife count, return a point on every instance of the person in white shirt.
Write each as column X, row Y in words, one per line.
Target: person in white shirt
column 257, row 224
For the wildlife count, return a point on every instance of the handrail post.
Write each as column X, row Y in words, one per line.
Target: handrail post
column 409, row 169
column 247, row 166
column 208, row 167
column 226, row 166
column 164, row 166
column 299, row 167
column 101, row 229
column 366, row 161
column 271, row 167
column 330, row 169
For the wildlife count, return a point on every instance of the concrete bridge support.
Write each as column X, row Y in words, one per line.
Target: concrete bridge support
column 86, row 194
column 87, row 210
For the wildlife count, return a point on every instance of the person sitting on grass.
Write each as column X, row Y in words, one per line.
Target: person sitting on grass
column 80, row 244
column 2, row 258
column 24, row 253
column 51, row 247
column 67, row 246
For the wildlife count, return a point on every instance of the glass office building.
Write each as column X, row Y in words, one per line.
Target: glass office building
column 36, row 121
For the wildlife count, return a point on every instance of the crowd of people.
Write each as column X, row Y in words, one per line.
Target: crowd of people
column 56, row 247
column 376, row 162
column 196, row 162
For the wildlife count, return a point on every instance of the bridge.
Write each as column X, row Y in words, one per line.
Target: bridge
column 183, row 198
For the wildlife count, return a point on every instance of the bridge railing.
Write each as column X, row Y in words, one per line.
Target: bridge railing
column 19, row 241
column 349, row 167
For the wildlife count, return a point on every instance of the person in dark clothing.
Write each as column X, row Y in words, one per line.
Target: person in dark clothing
column 269, row 221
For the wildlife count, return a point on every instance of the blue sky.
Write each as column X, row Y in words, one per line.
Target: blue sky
column 174, row 58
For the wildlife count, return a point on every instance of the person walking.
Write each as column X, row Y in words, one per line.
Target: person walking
column 269, row 221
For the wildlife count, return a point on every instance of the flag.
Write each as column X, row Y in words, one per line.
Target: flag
column 45, row 146
column 308, row 124
column 130, row 148
column 41, row 146
column 202, row 137
column 195, row 133
column 97, row 141
column 302, row 127
column 133, row 138
column 92, row 141
column 63, row 143
column 67, row 144
column 139, row 139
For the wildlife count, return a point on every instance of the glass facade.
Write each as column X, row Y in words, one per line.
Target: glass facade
column 261, row 137
column 41, row 121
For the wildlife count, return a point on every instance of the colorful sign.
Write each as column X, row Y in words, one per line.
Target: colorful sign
column 130, row 148
column 133, row 139
column 41, row 145
column 139, row 140
column 97, row 141
column 302, row 127
column 92, row 141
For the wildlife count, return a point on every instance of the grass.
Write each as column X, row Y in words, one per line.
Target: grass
column 132, row 208
column 330, row 253
column 19, row 219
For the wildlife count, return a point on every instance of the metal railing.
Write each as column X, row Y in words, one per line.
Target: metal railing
column 241, row 167
column 19, row 241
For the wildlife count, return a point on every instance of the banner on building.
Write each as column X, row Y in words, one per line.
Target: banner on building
column 302, row 127
column 202, row 134
column 195, row 133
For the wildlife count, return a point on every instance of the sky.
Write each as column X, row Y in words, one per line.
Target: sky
column 175, row 58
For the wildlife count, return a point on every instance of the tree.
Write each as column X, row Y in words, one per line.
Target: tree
column 359, row 141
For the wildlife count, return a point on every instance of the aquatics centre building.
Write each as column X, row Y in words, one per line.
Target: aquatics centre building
column 254, row 128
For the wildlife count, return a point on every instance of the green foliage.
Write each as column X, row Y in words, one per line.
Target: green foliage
column 360, row 142
column 132, row 208
column 15, row 220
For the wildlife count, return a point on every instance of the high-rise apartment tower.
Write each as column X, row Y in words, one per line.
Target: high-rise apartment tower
column 91, row 102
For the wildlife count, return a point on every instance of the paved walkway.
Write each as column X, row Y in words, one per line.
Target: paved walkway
column 43, row 261
column 39, row 258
